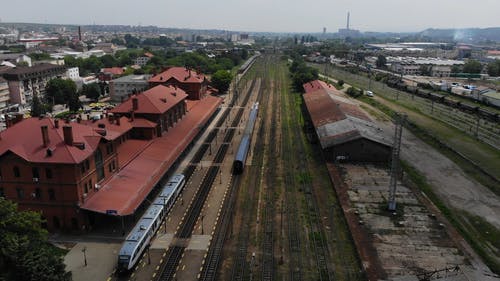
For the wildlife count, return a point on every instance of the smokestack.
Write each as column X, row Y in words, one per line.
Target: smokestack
column 56, row 123
column 45, row 135
column 135, row 104
column 68, row 135
column 348, row 15
column 79, row 33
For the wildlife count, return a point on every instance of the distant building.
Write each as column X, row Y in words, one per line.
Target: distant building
column 108, row 74
column 194, row 83
column 413, row 66
column 73, row 73
column 16, row 59
column 344, row 131
column 120, row 88
column 4, row 94
column 24, row 82
column 143, row 60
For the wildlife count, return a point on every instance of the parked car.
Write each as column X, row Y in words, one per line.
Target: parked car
column 369, row 93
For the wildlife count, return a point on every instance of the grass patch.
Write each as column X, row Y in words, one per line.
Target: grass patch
column 469, row 168
column 471, row 232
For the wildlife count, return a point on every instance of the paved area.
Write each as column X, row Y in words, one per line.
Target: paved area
column 101, row 260
column 407, row 242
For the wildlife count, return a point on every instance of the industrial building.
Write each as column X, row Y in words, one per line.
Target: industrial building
column 345, row 132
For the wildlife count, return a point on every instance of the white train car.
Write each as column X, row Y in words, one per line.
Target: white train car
column 140, row 236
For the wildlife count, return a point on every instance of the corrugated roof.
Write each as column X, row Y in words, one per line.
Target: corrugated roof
column 337, row 119
column 156, row 100
column 128, row 188
column 181, row 74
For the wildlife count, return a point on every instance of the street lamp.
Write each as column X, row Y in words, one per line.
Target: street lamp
column 84, row 250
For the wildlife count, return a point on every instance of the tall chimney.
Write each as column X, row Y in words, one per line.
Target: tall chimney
column 348, row 15
column 56, row 123
column 79, row 33
column 135, row 104
column 68, row 135
column 45, row 135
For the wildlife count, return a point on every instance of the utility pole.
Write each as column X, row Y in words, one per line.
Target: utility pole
column 399, row 119
column 84, row 250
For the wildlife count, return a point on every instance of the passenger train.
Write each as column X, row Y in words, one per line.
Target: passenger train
column 140, row 236
column 241, row 154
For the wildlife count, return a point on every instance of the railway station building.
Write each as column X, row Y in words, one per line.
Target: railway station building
column 345, row 132
column 195, row 84
column 76, row 173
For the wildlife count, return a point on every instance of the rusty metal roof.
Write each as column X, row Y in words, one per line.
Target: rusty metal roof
column 338, row 120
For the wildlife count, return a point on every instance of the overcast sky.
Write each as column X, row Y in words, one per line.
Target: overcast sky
column 261, row 15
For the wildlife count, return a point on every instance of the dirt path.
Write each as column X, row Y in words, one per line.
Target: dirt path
column 448, row 179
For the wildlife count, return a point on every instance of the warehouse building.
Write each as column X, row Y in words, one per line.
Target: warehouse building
column 344, row 131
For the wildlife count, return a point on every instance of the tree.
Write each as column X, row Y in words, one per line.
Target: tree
column 221, row 80
column 25, row 253
column 425, row 70
column 91, row 91
column 381, row 61
column 494, row 68
column 109, row 61
column 60, row 90
column 74, row 103
column 37, row 107
column 472, row 66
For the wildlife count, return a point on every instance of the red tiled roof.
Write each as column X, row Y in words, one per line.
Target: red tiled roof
column 148, row 54
column 180, row 74
column 494, row 53
column 156, row 100
column 113, row 70
column 127, row 189
column 142, row 123
column 25, row 140
column 113, row 131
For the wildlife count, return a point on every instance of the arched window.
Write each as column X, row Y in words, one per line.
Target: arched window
column 99, row 165
column 17, row 173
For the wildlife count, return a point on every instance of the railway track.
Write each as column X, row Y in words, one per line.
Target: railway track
column 268, row 235
column 290, row 194
column 174, row 254
column 240, row 269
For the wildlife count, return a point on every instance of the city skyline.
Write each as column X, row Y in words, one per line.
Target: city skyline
column 273, row 16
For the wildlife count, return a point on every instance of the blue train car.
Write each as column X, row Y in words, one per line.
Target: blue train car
column 244, row 146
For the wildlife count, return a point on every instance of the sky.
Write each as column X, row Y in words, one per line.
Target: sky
column 261, row 15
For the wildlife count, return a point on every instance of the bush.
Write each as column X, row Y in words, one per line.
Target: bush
column 354, row 92
column 340, row 83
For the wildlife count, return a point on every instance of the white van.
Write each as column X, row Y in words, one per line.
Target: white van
column 369, row 93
